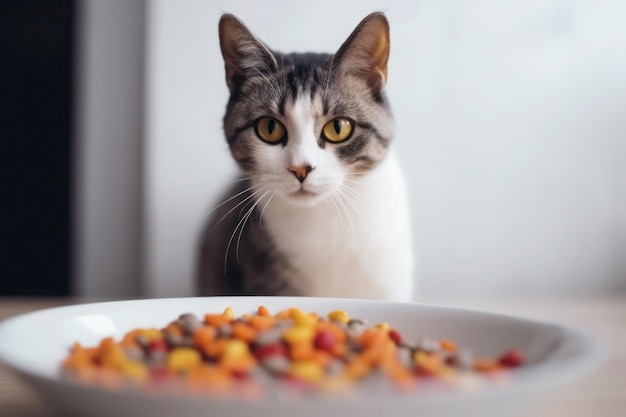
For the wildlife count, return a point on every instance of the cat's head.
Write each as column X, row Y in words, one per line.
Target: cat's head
column 300, row 125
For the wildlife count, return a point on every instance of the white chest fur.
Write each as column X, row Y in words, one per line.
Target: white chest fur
column 355, row 245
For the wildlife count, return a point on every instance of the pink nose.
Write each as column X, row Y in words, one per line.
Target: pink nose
column 300, row 172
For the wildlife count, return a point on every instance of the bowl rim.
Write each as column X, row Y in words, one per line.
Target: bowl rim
column 537, row 377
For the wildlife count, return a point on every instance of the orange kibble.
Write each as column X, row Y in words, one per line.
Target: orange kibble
column 216, row 320
column 208, row 378
column 320, row 357
column 301, row 351
column 357, row 369
column 130, row 338
column 110, row 354
column 372, row 355
column 203, row 337
column 215, row 348
column 263, row 312
column 261, row 323
column 283, row 315
column 448, row 346
column 373, row 336
column 486, row 365
column 340, row 349
column 244, row 332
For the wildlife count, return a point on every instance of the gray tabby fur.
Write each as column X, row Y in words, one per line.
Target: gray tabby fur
column 263, row 83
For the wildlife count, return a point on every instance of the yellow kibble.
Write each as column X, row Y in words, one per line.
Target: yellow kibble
column 339, row 315
column 431, row 363
column 382, row 326
column 299, row 334
column 309, row 371
column 229, row 313
column 301, row 318
column 182, row 359
column 235, row 349
column 135, row 371
column 151, row 334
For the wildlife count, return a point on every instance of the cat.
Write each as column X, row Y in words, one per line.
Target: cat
column 320, row 208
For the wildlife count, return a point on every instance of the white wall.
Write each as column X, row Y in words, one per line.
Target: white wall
column 108, row 148
column 509, row 124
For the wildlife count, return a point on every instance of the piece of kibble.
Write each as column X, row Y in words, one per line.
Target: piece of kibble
column 229, row 313
column 236, row 349
column 183, row 359
column 512, row 359
column 263, row 312
column 382, row 326
column 339, row 316
column 448, row 346
column 298, row 334
column 325, row 340
column 395, row 336
column 189, row 323
column 308, row 371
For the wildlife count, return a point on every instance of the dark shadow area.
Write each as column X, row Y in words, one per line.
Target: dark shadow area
column 36, row 88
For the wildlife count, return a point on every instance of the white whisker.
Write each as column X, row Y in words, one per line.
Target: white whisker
column 357, row 208
column 349, row 218
column 235, row 196
column 247, row 217
column 230, row 211
column 354, row 192
column 263, row 211
column 333, row 200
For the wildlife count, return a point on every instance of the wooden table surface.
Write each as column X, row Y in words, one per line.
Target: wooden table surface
column 601, row 394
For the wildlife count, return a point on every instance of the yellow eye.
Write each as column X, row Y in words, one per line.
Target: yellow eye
column 270, row 130
column 337, row 130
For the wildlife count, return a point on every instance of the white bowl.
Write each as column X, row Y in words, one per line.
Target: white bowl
column 34, row 344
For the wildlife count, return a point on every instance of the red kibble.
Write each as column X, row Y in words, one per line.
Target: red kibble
column 512, row 359
column 423, row 372
column 395, row 336
column 239, row 375
column 161, row 374
column 157, row 345
column 275, row 349
column 325, row 340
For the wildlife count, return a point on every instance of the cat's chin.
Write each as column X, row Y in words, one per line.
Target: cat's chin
column 304, row 198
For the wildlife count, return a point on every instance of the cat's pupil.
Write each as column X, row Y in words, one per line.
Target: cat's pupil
column 270, row 127
column 337, row 125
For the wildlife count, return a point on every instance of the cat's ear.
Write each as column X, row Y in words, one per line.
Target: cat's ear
column 366, row 51
column 242, row 51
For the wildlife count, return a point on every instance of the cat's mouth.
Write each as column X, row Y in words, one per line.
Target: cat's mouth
column 302, row 193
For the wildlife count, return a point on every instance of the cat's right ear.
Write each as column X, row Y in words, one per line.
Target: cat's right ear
column 243, row 53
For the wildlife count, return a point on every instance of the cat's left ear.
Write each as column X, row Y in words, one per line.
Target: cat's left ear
column 242, row 51
column 366, row 52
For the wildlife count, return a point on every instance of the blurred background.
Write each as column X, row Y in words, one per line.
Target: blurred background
column 510, row 117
